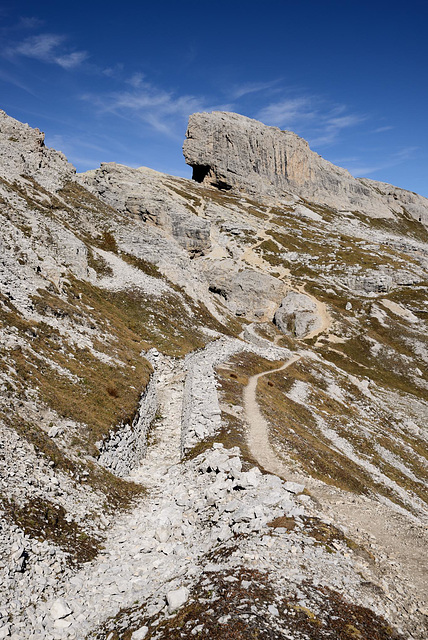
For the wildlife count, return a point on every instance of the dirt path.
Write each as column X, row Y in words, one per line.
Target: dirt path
column 281, row 273
column 258, row 428
column 398, row 542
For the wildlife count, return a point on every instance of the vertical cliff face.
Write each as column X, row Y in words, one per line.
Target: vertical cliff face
column 227, row 150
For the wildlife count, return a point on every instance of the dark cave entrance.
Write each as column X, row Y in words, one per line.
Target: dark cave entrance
column 200, row 172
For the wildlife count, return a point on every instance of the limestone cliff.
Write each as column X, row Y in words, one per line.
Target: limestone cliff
column 23, row 152
column 228, row 150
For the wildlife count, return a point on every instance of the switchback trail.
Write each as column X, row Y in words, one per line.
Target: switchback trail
column 255, row 260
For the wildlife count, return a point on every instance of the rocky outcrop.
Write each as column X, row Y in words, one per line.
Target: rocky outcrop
column 228, row 150
column 400, row 200
column 371, row 282
column 297, row 316
column 245, row 292
column 144, row 193
column 23, row 152
column 82, row 309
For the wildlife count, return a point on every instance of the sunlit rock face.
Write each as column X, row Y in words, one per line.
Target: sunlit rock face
column 23, row 152
column 227, row 150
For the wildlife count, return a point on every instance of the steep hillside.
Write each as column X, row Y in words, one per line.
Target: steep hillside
column 213, row 398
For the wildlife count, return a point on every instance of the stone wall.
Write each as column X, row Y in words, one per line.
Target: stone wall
column 201, row 414
column 124, row 449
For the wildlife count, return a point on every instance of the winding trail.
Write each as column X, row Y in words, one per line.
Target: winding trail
column 281, row 273
column 399, row 542
column 258, row 432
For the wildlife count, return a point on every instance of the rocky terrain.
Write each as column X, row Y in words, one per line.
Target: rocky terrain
column 213, row 398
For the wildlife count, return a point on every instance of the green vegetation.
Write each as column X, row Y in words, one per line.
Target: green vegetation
column 402, row 224
column 386, row 368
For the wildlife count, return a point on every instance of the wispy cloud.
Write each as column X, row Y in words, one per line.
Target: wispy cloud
column 113, row 72
column 382, row 129
column 28, row 22
column 136, row 80
column 47, row 47
column 331, row 128
column 288, row 111
column 315, row 118
column 403, row 155
column 162, row 110
column 15, row 81
column 250, row 87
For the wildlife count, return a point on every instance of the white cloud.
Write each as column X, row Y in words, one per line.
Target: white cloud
column 382, row 129
column 285, row 112
column 12, row 79
column 136, row 80
column 113, row 72
column 331, row 128
column 47, row 47
column 30, row 22
column 71, row 60
column 392, row 161
column 160, row 109
column 314, row 118
column 251, row 87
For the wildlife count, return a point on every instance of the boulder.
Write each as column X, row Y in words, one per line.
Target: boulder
column 244, row 291
column 298, row 315
column 294, row 487
column 60, row 609
column 175, row 599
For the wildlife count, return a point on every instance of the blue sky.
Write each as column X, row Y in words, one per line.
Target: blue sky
column 110, row 81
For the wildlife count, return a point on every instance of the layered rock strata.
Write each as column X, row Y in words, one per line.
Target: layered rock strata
column 227, row 150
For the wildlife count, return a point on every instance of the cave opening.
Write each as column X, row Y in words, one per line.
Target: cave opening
column 200, row 172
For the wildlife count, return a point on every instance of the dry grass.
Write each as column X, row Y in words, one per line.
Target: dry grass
column 327, row 614
column 39, row 518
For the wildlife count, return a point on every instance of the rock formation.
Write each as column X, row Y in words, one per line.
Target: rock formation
column 23, row 152
column 212, row 395
column 229, row 150
column 297, row 315
column 141, row 192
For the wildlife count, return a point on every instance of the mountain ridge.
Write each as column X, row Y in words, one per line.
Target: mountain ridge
column 229, row 147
